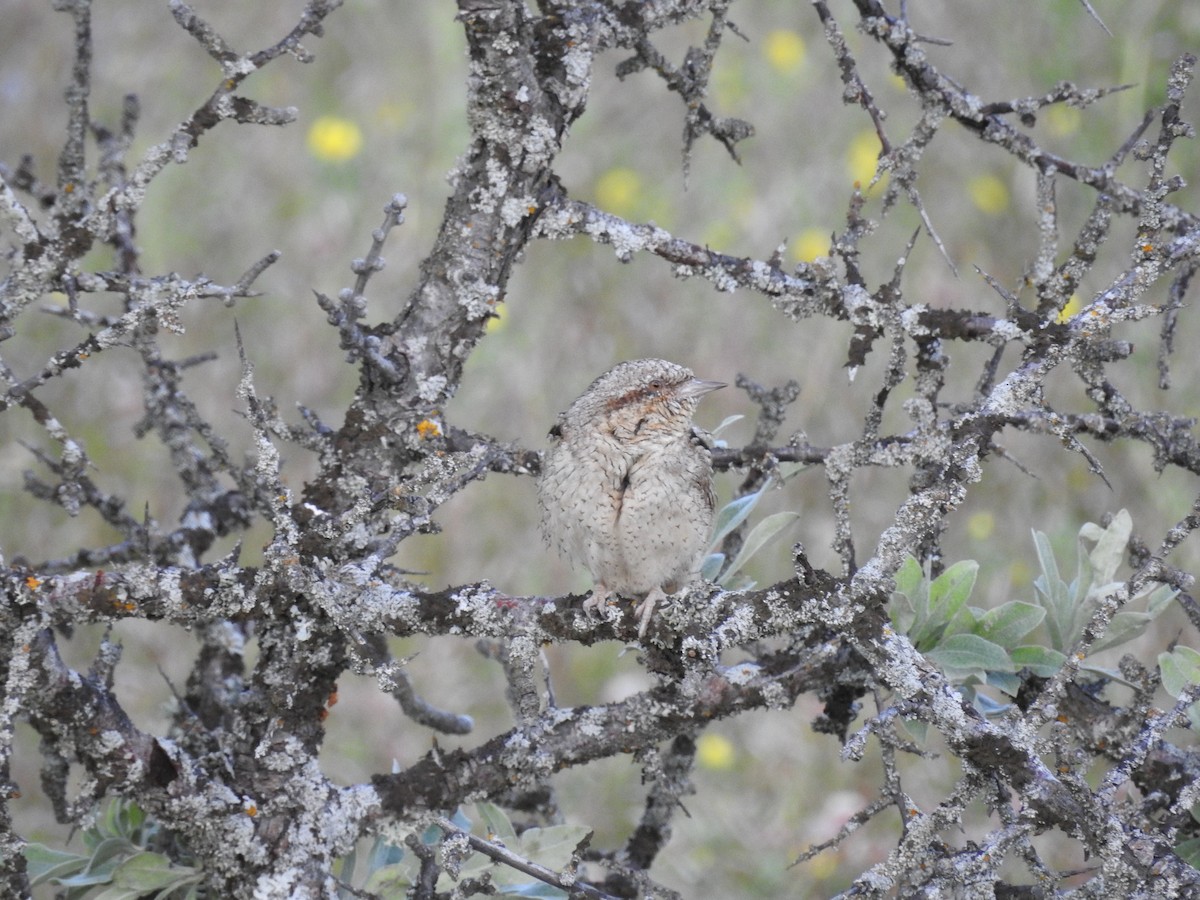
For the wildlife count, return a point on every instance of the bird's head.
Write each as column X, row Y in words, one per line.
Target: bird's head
column 642, row 397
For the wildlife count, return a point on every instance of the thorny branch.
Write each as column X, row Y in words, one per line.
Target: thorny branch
column 237, row 779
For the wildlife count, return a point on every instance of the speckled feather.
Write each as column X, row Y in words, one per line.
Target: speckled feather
column 626, row 488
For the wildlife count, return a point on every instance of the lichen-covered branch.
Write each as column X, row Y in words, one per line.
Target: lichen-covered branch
column 237, row 777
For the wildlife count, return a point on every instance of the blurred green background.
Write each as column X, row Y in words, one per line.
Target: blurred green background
column 381, row 110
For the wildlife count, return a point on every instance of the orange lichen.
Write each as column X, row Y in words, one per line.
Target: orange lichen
column 428, row 428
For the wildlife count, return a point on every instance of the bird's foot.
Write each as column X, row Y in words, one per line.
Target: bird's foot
column 598, row 600
column 645, row 609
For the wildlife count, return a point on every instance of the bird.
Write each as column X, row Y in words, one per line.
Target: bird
column 626, row 488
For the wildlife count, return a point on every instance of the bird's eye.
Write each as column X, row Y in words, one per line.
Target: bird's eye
column 656, row 384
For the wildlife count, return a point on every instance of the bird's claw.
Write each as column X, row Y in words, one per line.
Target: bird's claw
column 645, row 609
column 595, row 602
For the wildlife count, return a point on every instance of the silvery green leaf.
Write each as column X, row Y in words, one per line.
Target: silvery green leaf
column 1060, row 609
column 1008, row 623
column 912, row 584
column 111, row 848
column 1160, row 598
column 725, row 423
column 1041, row 661
column 1109, row 552
column 902, row 613
column 947, row 595
column 393, row 880
column 101, row 874
column 383, row 853
column 346, row 873
column 790, row 469
column 536, row 889
column 1125, row 626
column 1179, row 668
column 1005, row 681
column 970, row 653
column 497, row 823
column 760, row 535
column 986, row 704
column 1189, row 852
column 712, row 566
column 951, row 589
column 964, row 621
column 1046, row 560
column 733, row 513
column 44, row 863
column 909, row 576
column 146, row 872
column 917, row 729
column 551, row 847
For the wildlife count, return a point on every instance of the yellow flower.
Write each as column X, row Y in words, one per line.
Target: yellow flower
column 719, row 235
column 618, row 190
column 988, row 193
column 822, row 866
column 497, row 319
column 1080, row 478
column 1062, row 119
column 1073, row 306
column 714, row 751
column 862, row 157
column 333, row 139
column 784, row 50
column 980, row 525
column 729, row 84
column 811, row 243
column 1019, row 573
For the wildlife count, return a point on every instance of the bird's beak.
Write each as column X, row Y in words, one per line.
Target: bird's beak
column 697, row 388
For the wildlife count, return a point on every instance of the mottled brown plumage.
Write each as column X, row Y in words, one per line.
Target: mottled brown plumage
column 626, row 488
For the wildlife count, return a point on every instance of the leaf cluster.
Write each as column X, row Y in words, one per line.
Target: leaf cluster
column 995, row 646
column 717, row 566
column 120, row 862
column 391, row 872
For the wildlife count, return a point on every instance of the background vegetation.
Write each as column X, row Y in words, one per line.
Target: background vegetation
column 382, row 109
